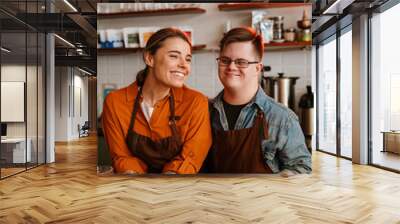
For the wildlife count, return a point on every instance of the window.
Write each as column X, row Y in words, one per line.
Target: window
column 334, row 137
column 385, row 89
column 346, row 93
column 327, row 97
column 22, row 76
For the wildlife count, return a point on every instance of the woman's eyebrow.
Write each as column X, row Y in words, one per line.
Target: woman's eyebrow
column 178, row 52
column 174, row 51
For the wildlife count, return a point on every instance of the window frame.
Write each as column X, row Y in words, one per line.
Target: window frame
column 342, row 27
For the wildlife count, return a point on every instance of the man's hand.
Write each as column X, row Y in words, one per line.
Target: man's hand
column 130, row 172
column 287, row 173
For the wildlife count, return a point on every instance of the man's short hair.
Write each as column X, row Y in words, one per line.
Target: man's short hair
column 243, row 34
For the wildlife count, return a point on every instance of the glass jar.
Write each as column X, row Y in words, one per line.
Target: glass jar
column 278, row 27
column 307, row 35
column 290, row 34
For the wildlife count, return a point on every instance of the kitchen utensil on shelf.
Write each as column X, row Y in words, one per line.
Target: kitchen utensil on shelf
column 278, row 27
column 281, row 88
column 304, row 24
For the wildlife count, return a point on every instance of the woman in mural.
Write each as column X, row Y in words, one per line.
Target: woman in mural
column 157, row 124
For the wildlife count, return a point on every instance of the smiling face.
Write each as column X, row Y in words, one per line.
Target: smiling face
column 170, row 65
column 239, row 79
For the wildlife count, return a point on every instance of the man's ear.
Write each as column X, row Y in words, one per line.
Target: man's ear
column 259, row 67
column 148, row 59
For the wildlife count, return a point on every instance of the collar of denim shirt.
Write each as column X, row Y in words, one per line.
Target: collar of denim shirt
column 260, row 100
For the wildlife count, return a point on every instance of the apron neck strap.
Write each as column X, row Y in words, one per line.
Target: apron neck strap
column 263, row 125
column 172, row 117
column 172, row 106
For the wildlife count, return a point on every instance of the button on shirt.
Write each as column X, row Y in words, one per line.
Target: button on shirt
column 285, row 147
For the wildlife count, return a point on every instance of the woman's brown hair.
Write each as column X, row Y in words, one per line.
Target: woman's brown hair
column 243, row 34
column 155, row 42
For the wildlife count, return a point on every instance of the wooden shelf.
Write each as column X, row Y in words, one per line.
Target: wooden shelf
column 288, row 45
column 159, row 12
column 269, row 47
column 118, row 51
column 247, row 6
column 199, row 47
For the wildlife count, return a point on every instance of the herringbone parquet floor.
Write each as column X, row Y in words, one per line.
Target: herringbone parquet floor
column 69, row 191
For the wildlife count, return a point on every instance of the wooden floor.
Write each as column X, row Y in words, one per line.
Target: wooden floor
column 387, row 159
column 5, row 172
column 70, row 191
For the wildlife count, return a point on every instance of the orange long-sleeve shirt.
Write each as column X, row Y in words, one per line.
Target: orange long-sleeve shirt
column 193, row 126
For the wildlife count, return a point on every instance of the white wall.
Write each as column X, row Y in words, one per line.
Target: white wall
column 61, row 103
column 79, row 117
column 14, row 73
column 67, row 115
column 33, row 127
column 208, row 29
column 17, row 73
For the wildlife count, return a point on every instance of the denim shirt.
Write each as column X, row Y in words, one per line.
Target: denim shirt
column 285, row 147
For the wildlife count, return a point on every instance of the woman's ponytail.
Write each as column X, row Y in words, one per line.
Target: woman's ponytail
column 141, row 76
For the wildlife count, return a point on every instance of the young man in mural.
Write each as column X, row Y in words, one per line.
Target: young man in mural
column 157, row 124
column 251, row 132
